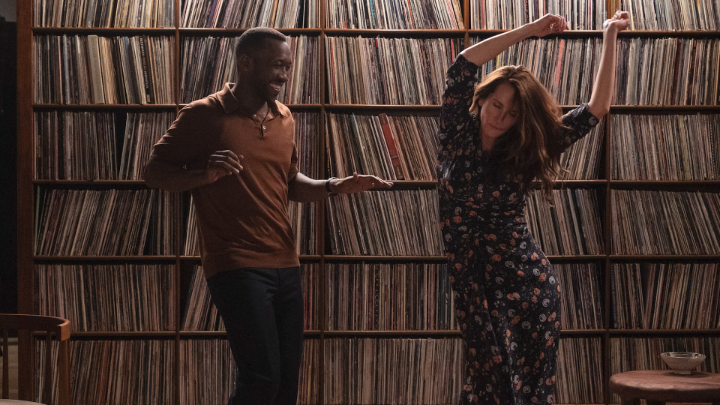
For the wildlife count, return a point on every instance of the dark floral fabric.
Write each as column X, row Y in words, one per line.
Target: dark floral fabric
column 506, row 292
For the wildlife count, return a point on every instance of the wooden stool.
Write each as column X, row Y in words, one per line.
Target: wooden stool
column 660, row 386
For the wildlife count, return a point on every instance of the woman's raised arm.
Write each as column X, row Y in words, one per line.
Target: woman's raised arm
column 486, row 50
column 604, row 85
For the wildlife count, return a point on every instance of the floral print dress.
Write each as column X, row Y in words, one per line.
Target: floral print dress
column 506, row 292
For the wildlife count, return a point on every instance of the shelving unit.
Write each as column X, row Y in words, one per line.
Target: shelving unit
column 27, row 184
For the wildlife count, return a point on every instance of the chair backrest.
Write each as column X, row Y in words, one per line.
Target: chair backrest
column 57, row 328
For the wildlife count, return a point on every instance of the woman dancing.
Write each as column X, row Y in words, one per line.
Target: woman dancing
column 497, row 137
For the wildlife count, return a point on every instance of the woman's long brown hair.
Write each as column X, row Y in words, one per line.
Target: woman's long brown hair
column 529, row 147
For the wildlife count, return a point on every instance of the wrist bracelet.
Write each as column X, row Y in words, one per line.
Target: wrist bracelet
column 327, row 186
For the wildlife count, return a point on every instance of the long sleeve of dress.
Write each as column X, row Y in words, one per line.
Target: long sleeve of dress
column 460, row 83
column 578, row 122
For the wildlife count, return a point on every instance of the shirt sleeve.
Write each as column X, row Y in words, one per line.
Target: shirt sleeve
column 578, row 122
column 460, row 83
column 294, row 169
column 181, row 145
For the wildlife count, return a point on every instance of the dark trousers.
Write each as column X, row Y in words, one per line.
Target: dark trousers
column 263, row 313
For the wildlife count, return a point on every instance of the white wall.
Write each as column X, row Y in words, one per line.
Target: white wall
column 7, row 9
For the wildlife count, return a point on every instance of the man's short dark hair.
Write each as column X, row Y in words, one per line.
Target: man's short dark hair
column 253, row 40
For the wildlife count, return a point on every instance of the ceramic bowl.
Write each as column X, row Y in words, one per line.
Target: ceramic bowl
column 682, row 362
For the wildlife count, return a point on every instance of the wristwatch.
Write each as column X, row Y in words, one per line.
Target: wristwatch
column 327, row 186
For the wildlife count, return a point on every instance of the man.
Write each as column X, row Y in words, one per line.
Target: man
column 235, row 150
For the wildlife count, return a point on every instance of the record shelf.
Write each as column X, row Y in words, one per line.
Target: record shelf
column 173, row 269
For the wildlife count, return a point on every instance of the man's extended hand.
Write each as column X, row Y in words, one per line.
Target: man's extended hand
column 221, row 164
column 357, row 183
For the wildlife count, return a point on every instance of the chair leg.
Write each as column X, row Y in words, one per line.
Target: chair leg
column 629, row 401
column 63, row 377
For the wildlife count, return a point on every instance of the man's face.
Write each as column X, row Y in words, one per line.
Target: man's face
column 271, row 68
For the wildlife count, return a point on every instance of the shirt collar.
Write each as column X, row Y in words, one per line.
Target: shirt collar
column 229, row 102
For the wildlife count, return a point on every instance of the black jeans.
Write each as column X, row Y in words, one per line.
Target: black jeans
column 263, row 313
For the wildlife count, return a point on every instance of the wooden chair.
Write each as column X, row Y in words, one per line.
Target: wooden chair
column 52, row 326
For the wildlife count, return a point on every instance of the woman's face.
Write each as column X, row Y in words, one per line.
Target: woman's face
column 498, row 112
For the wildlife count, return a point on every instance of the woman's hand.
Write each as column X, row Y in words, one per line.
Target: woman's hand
column 620, row 21
column 549, row 24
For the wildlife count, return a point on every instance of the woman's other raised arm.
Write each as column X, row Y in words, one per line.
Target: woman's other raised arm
column 488, row 49
column 604, row 85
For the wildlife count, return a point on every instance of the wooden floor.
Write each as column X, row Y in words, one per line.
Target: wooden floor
column 14, row 381
column 13, row 359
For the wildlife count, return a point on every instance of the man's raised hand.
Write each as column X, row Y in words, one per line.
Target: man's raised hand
column 222, row 163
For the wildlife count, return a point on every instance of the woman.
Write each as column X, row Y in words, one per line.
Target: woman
column 497, row 137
